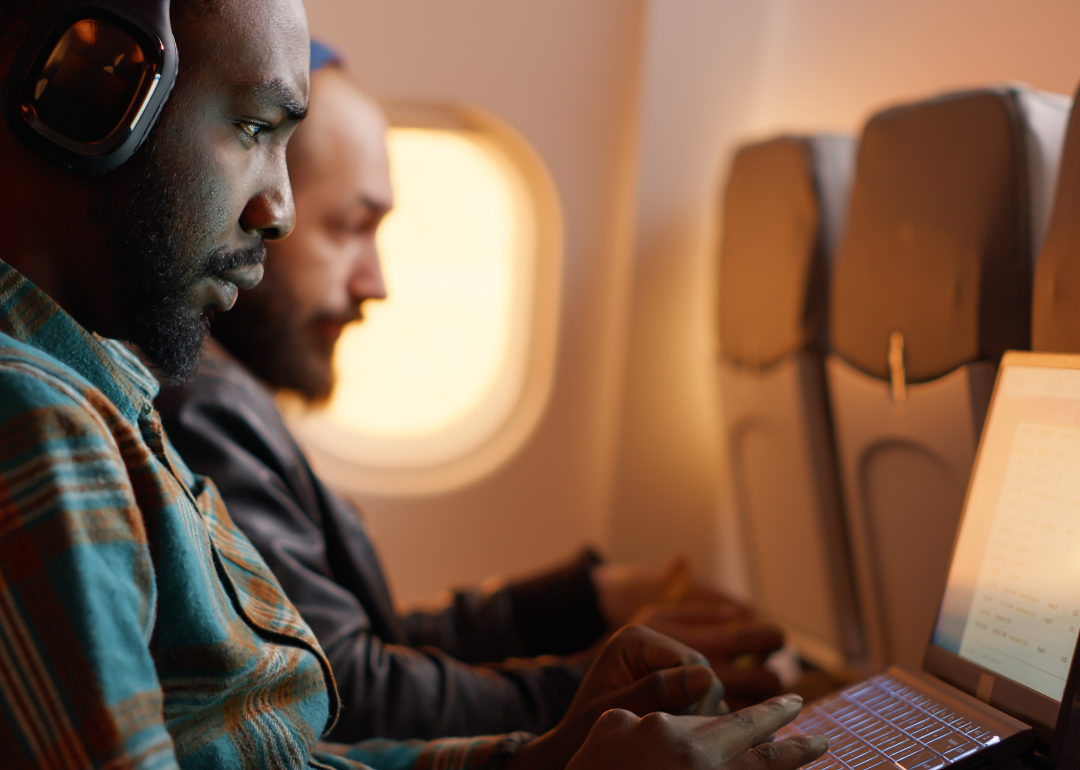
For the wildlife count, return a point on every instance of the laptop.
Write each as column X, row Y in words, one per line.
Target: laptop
column 999, row 674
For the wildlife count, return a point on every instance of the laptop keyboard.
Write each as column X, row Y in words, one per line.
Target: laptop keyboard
column 883, row 724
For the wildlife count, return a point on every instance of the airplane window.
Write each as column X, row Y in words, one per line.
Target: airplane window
column 443, row 381
column 429, row 354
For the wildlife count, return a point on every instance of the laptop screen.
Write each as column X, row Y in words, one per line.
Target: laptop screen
column 1012, row 603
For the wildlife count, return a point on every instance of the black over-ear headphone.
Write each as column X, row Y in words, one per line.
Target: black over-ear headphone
column 88, row 83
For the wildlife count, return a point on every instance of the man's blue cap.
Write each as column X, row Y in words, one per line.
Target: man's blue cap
column 323, row 56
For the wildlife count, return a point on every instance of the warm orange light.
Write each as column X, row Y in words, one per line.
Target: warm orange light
column 429, row 355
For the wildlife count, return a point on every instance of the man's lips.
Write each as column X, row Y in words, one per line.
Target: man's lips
column 246, row 277
column 330, row 329
column 333, row 327
column 220, row 291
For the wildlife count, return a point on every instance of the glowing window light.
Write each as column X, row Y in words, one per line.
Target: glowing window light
column 431, row 353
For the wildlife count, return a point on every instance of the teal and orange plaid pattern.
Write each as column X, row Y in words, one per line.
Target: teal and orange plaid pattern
column 138, row 627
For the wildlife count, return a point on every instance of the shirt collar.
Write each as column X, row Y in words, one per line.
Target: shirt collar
column 29, row 315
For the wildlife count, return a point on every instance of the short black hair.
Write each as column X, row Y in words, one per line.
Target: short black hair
column 15, row 19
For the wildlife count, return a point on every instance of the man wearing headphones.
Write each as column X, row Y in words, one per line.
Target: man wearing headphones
column 413, row 676
column 138, row 627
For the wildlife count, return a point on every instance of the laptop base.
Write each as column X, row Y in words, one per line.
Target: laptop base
column 906, row 719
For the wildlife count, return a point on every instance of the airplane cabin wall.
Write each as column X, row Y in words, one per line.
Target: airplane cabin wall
column 636, row 106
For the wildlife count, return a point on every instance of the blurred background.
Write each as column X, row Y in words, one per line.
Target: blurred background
column 569, row 353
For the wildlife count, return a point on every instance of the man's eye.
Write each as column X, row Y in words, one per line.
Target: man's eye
column 358, row 227
column 252, row 130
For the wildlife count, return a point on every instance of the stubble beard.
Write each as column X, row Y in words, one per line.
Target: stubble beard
column 267, row 336
column 159, row 219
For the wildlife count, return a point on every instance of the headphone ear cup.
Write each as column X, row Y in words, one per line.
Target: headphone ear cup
column 90, row 80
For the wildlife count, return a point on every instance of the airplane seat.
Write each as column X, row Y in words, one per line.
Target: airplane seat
column 1055, row 312
column 783, row 213
column 932, row 284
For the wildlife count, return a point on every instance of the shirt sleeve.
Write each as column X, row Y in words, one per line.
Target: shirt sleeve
column 315, row 548
column 482, row 753
column 78, row 686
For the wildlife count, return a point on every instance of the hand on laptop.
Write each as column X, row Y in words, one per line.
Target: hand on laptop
column 736, row 648
column 640, row 671
column 636, row 669
column 740, row 741
column 671, row 601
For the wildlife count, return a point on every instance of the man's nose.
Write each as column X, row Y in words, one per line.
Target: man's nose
column 366, row 281
column 270, row 212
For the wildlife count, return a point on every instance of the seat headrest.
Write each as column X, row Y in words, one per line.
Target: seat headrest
column 1046, row 119
column 1055, row 318
column 938, row 240
column 782, row 210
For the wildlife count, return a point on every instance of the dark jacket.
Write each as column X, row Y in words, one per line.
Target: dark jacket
column 415, row 676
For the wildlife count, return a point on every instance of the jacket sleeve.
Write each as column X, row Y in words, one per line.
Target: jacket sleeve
column 79, row 686
column 388, row 690
column 552, row 613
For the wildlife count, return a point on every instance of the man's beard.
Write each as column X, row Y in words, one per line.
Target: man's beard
column 159, row 217
column 265, row 334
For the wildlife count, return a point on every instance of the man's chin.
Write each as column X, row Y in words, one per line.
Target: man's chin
column 307, row 376
column 317, row 387
column 174, row 351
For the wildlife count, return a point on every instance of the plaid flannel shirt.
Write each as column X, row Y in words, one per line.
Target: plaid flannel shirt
column 138, row 627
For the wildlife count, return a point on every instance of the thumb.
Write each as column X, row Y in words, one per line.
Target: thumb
column 677, row 581
column 671, row 690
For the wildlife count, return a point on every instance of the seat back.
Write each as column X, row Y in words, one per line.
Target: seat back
column 1055, row 312
column 932, row 285
column 782, row 215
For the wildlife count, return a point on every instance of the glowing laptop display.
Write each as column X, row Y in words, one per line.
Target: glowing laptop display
column 1012, row 604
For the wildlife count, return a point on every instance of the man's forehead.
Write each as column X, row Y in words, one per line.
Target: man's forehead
column 267, row 48
column 346, row 127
